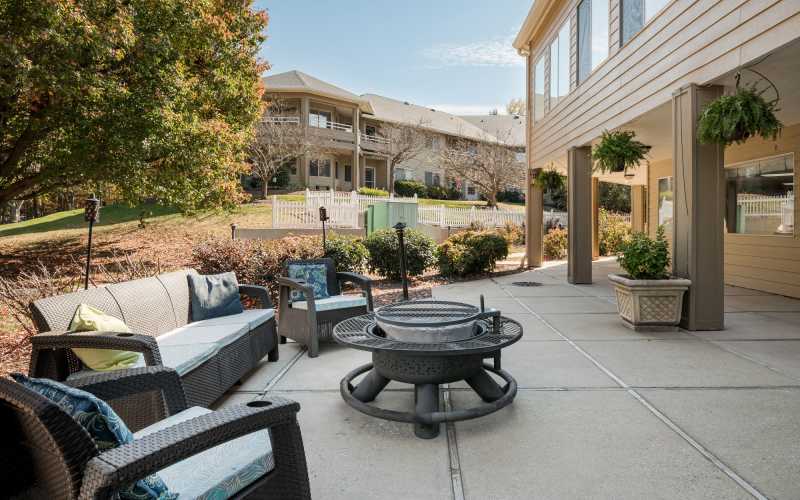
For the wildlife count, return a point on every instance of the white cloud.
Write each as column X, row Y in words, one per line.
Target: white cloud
column 493, row 52
column 467, row 109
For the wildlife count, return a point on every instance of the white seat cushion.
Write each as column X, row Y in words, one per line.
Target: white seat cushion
column 193, row 333
column 220, row 472
column 252, row 317
column 333, row 303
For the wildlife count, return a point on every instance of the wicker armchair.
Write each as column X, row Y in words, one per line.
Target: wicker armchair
column 50, row 455
column 311, row 321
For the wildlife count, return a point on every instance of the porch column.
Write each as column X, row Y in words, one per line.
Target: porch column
column 698, row 248
column 595, row 218
column 389, row 183
column 304, row 108
column 357, row 149
column 579, row 208
column 638, row 208
column 534, row 220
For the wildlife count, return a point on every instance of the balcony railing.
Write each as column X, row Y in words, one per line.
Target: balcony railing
column 292, row 120
column 375, row 138
column 320, row 122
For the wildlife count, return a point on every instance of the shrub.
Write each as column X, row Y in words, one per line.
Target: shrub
column 555, row 244
column 645, row 258
column 384, row 253
column 348, row 253
column 614, row 231
column 409, row 188
column 511, row 196
column 471, row 252
column 436, row 193
column 513, row 233
column 256, row 262
column 372, row 192
column 453, row 193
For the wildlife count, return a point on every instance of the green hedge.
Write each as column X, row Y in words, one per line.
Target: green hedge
column 471, row 252
column 384, row 253
column 372, row 192
column 349, row 253
column 409, row 188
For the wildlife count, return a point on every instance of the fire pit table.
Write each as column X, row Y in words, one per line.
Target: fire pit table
column 427, row 343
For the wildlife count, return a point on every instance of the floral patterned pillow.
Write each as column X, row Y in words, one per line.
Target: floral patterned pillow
column 315, row 276
column 103, row 425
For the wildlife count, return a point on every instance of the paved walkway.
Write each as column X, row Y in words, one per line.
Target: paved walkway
column 602, row 412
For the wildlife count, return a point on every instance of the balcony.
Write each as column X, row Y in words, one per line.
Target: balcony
column 289, row 120
column 336, row 132
column 374, row 143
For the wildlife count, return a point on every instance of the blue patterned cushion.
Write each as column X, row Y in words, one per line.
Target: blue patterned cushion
column 103, row 425
column 315, row 276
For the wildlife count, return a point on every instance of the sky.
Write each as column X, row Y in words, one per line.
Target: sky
column 451, row 55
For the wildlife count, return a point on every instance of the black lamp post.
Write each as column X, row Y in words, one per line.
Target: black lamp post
column 323, row 217
column 401, row 228
column 91, row 215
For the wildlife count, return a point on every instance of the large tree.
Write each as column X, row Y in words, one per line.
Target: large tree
column 280, row 139
column 407, row 142
column 157, row 98
column 489, row 164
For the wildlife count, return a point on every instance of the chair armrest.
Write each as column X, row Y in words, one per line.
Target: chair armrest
column 359, row 279
column 101, row 340
column 296, row 285
column 120, row 383
column 114, row 468
column 258, row 293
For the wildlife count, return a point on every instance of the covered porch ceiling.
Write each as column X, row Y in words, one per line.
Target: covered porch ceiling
column 654, row 127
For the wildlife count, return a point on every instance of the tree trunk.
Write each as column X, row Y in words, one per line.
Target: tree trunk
column 264, row 188
column 491, row 200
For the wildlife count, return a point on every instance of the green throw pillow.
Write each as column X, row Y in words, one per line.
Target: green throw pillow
column 91, row 319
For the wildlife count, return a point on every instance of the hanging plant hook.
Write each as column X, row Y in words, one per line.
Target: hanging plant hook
column 763, row 77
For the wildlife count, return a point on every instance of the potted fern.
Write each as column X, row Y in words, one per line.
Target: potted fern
column 549, row 180
column 735, row 118
column 648, row 298
column 619, row 151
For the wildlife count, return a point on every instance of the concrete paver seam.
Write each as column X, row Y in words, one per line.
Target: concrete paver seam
column 707, row 454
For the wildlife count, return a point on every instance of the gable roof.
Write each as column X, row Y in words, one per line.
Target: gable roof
column 403, row 112
column 297, row 81
column 507, row 128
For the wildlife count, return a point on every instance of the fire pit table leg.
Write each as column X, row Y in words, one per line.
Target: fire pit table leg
column 485, row 386
column 426, row 397
column 369, row 388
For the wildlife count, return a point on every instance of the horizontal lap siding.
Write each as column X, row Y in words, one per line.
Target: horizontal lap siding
column 768, row 263
column 689, row 42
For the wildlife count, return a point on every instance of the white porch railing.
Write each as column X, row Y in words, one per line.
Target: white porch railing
column 299, row 215
column 374, row 138
column 292, row 120
column 320, row 122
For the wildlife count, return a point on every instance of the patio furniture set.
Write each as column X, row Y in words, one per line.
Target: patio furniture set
column 253, row 450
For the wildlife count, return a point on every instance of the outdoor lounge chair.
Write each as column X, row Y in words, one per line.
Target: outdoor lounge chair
column 253, row 450
column 309, row 320
column 210, row 355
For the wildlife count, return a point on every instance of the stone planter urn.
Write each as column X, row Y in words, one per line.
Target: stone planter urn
column 650, row 305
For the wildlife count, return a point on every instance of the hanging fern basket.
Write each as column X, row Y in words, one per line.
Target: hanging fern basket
column 619, row 151
column 733, row 119
column 549, row 180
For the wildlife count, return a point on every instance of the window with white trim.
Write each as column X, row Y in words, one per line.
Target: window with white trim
column 559, row 65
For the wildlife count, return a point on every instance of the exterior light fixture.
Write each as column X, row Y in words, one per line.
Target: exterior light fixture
column 323, row 217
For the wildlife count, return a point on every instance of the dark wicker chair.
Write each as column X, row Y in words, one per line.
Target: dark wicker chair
column 44, row 453
column 307, row 322
column 152, row 308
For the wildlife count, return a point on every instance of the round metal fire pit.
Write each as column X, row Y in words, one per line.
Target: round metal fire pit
column 429, row 321
column 426, row 365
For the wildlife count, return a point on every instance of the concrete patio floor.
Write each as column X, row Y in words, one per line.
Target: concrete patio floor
column 602, row 411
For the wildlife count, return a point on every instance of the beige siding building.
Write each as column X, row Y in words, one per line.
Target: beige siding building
column 353, row 130
column 651, row 66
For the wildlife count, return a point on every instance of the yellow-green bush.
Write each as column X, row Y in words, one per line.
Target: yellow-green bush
column 471, row 252
column 555, row 244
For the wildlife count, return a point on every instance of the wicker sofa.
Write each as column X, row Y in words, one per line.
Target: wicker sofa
column 210, row 356
column 252, row 450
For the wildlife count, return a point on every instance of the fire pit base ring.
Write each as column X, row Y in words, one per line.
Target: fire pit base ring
column 426, row 416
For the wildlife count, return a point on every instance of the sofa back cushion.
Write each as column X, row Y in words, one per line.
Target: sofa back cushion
column 146, row 306
column 54, row 314
column 177, row 286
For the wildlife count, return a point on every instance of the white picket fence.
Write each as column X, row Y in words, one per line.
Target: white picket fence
column 301, row 215
column 440, row 215
column 763, row 205
column 326, row 199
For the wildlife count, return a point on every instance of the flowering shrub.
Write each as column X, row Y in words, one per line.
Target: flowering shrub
column 614, row 232
column 555, row 244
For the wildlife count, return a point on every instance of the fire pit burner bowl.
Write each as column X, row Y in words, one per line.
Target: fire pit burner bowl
column 426, row 365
